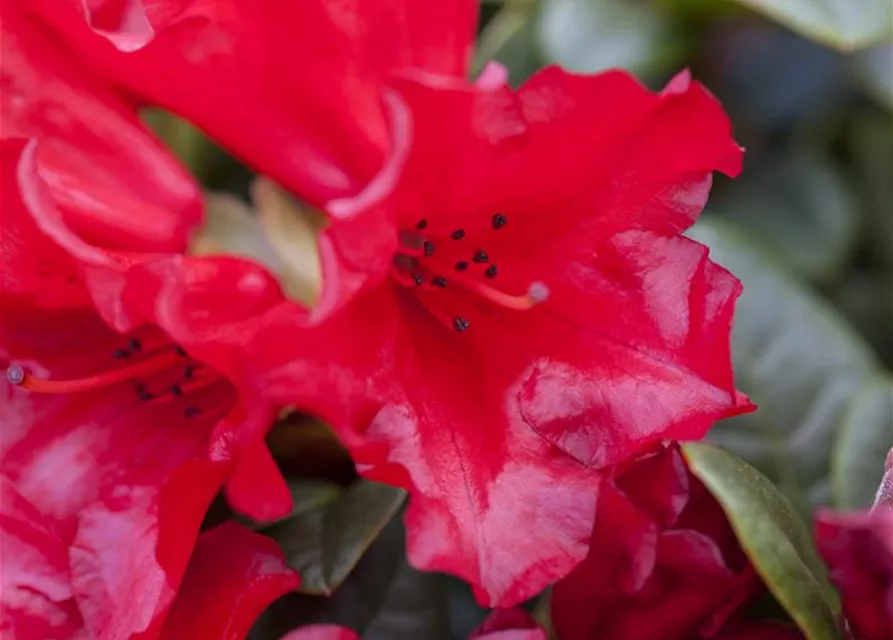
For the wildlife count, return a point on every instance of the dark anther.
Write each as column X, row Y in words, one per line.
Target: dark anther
column 460, row 324
column 176, row 390
column 181, row 351
column 429, row 248
column 491, row 271
column 417, row 278
column 458, row 234
column 188, row 372
column 191, row 412
column 480, row 257
column 499, row 221
column 439, row 281
column 140, row 387
column 120, row 354
column 145, row 395
column 135, row 345
column 461, row 265
column 421, row 224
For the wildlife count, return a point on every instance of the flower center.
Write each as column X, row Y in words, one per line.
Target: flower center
column 157, row 372
column 429, row 262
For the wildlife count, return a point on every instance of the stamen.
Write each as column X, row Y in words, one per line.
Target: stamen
column 191, row 412
column 417, row 279
column 499, row 221
column 458, row 234
column 181, row 351
column 460, row 324
column 135, row 345
column 439, row 281
column 491, row 271
column 537, row 293
column 120, row 354
column 480, row 256
column 462, row 265
column 19, row 377
column 429, row 248
column 421, row 224
column 177, row 390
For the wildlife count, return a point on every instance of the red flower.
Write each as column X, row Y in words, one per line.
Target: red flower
column 92, row 195
column 663, row 562
column 119, row 443
column 242, row 70
column 507, row 624
column 760, row 630
column 518, row 309
column 858, row 549
column 232, row 576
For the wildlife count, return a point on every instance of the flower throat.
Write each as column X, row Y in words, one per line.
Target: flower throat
column 428, row 262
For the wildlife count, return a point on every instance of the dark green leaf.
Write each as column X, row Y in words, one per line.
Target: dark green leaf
column 772, row 535
column 865, row 437
column 871, row 141
column 843, row 24
column 874, row 68
column 797, row 359
column 324, row 545
column 382, row 598
column 508, row 39
column 799, row 205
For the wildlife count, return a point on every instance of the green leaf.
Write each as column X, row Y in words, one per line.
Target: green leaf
column 844, row 24
column 797, row 359
column 593, row 35
column 383, row 598
column 865, row 437
column 871, row 143
column 874, row 69
column 324, row 545
column 801, row 206
column 772, row 535
column 508, row 39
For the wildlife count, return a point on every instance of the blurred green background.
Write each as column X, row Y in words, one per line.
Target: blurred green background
column 808, row 228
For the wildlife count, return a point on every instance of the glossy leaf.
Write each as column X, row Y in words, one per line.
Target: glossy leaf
column 865, row 437
column 324, row 545
column 801, row 206
column 797, row 359
column 383, row 598
column 772, row 535
column 842, row 24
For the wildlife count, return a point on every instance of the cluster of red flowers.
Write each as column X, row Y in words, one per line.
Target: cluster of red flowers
column 510, row 324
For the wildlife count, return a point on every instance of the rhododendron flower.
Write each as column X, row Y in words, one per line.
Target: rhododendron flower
column 884, row 495
column 858, row 549
column 86, row 198
column 507, row 624
column 508, row 307
column 232, row 576
column 663, row 563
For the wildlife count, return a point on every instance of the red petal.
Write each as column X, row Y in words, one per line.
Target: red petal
column 321, row 632
column 858, row 549
column 128, row 482
column 646, row 577
column 233, row 575
column 115, row 186
column 37, row 597
column 326, row 115
column 761, row 630
column 509, row 624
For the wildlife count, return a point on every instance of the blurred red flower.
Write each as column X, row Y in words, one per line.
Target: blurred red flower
column 663, row 562
column 858, row 549
column 508, row 304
